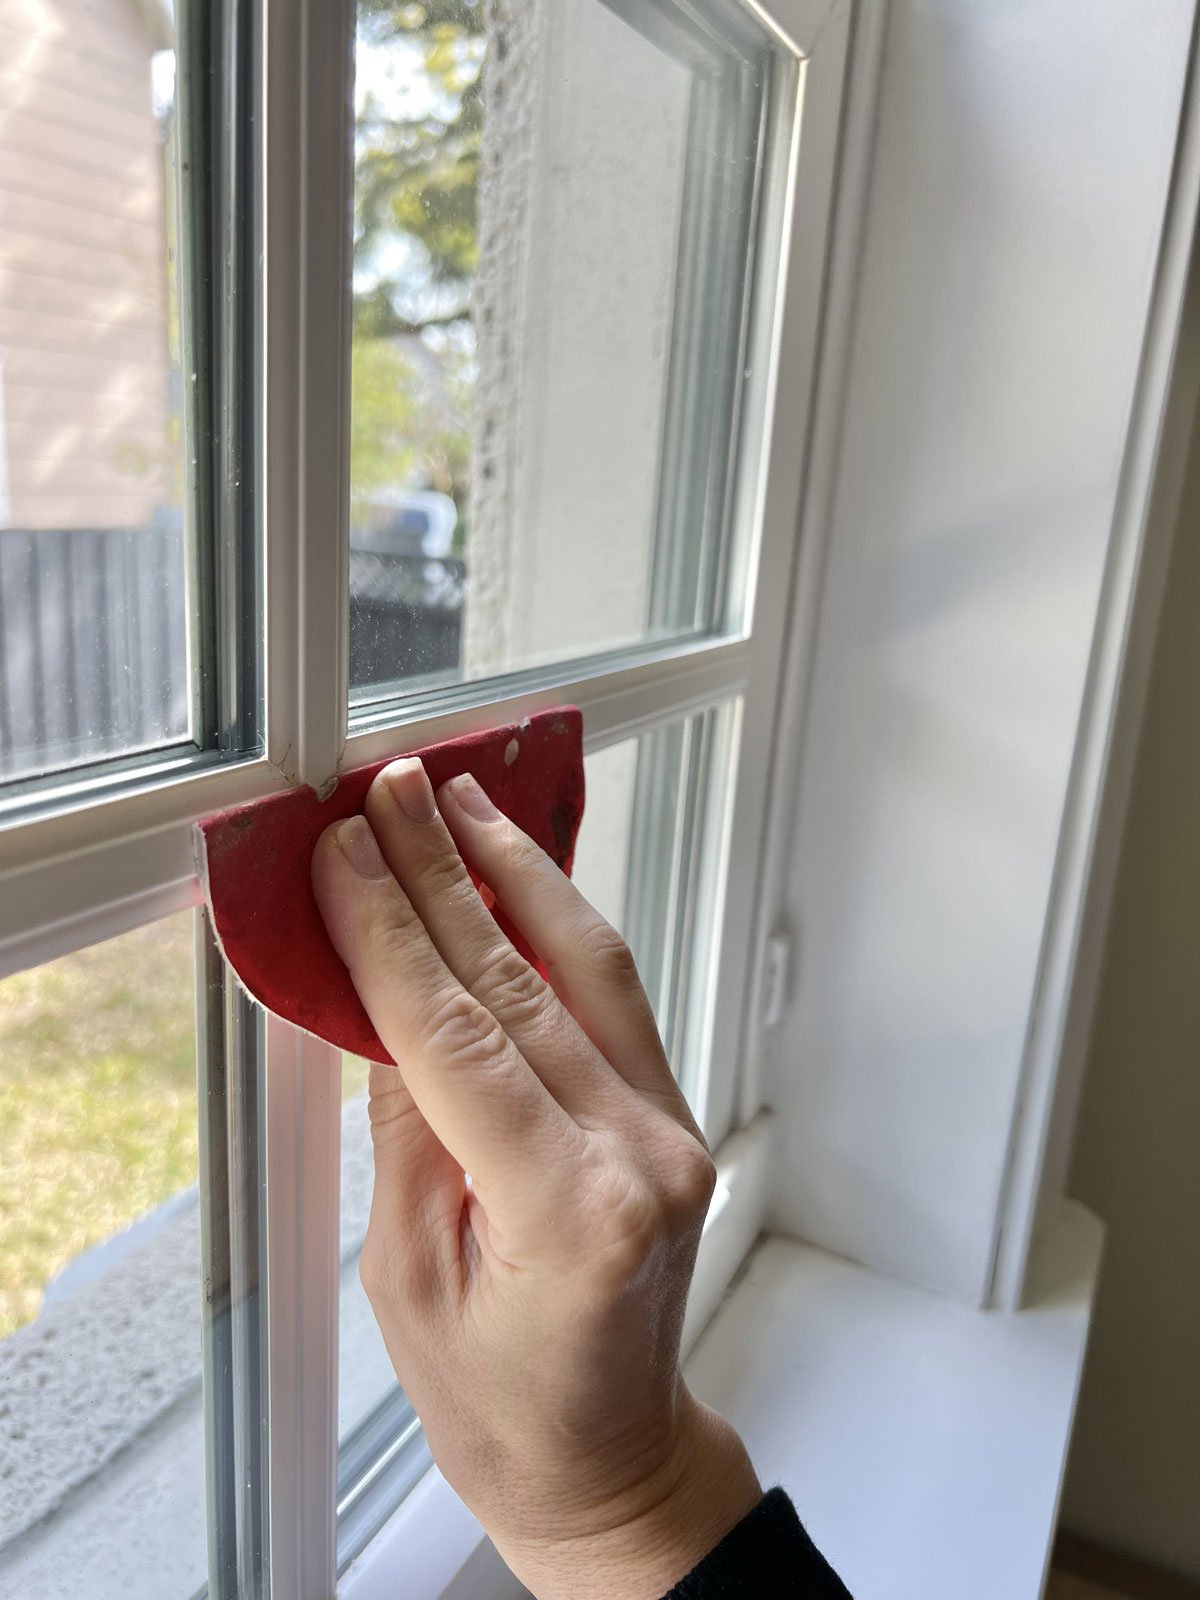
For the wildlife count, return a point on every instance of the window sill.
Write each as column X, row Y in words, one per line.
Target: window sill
column 923, row 1441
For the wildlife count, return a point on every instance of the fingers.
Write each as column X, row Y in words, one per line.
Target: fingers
column 590, row 966
column 467, row 1078
column 418, row 1197
column 424, row 858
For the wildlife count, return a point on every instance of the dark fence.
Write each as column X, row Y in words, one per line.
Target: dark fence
column 405, row 616
column 93, row 644
column 93, row 637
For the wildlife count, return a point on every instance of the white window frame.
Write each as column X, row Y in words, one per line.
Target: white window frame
column 91, row 866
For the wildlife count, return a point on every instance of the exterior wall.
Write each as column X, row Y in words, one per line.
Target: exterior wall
column 1134, row 1475
column 573, row 318
column 83, row 267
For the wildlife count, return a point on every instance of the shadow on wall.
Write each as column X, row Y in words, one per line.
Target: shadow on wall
column 1133, row 1481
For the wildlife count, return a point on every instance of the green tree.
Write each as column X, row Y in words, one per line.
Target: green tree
column 412, row 419
column 417, row 145
column 417, row 173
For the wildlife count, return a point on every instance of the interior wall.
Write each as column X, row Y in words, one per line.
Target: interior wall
column 1013, row 220
column 1134, row 1475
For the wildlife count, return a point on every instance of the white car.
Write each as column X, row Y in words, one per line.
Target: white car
column 406, row 522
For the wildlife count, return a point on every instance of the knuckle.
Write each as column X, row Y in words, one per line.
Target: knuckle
column 442, row 872
column 629, row 1225
column 396, row 1275
column 602, row 948
column 392, row 927
column 512, row 986
column 377, row 1274
column 691, row 1181
column 458, row 1028
column 517, row 853
column 394, row 920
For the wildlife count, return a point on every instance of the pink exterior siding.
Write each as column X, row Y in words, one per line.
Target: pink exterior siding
column 84, row 385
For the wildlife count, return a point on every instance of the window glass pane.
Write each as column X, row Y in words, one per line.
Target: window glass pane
column 381, row 1452
column 93, row 613
column 101, row 1423
column 650, row 859
column 365, row 1374
column 554, row 231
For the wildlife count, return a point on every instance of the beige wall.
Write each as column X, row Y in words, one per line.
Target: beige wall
column 1134, row 1475
column 82, row 266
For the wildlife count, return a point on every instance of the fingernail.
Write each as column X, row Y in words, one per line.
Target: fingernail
column 471, row 797
column 357, row 844
column 412, row 790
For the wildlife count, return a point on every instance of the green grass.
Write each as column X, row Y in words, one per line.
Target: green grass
column 97, row 1102
column 355, row 1074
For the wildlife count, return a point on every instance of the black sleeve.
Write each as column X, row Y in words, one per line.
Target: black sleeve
column 768, row 1556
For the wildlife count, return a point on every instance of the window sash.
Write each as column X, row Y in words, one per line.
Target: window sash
column 216, row 189
column 96, row 860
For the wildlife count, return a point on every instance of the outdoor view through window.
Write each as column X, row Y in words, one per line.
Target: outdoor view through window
column 100, row 1308
column 93, row 629
column 552, row 210
column 554, row 215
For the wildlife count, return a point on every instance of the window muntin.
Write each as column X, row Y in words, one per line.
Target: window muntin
column 555, row 244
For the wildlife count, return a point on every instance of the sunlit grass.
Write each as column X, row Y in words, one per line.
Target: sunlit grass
column 355, row 1073
column 97, row 1102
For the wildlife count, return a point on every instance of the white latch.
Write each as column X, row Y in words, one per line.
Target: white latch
column 777, row 972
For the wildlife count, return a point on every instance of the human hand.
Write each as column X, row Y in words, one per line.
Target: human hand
column 533, row 1314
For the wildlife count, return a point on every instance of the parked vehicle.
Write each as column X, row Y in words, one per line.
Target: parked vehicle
column 406, row 589
column 94, row 626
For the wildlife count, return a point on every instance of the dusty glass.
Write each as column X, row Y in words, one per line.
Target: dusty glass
column 553, row 253
column 381, row 1452
column 102, row 1427
column 93, row 605
column 649, row 857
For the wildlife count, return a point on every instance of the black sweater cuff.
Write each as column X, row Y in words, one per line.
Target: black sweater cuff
column 768, row 1556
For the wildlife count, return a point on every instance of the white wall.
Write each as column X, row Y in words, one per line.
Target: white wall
column 1023, row 157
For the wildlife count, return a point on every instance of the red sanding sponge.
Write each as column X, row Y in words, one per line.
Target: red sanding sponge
column 255, row 862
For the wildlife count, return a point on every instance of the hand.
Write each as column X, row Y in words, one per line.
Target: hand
column 533, row 1311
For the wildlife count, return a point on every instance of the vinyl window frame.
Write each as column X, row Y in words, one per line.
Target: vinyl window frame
column 93, row 862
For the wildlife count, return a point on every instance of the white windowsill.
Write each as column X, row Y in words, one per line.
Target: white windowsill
column 924, row 1442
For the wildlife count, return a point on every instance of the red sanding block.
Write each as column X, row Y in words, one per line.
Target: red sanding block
column 255, row 860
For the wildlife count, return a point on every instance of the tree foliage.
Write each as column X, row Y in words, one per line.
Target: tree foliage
column 417, row 146
column 417, row 167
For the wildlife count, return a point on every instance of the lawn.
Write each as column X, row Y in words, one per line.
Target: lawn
column 97, row 1101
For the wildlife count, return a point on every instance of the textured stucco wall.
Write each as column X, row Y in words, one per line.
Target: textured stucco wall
column 580, row 192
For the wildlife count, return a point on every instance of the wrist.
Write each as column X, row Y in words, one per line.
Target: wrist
column 641, row 1550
